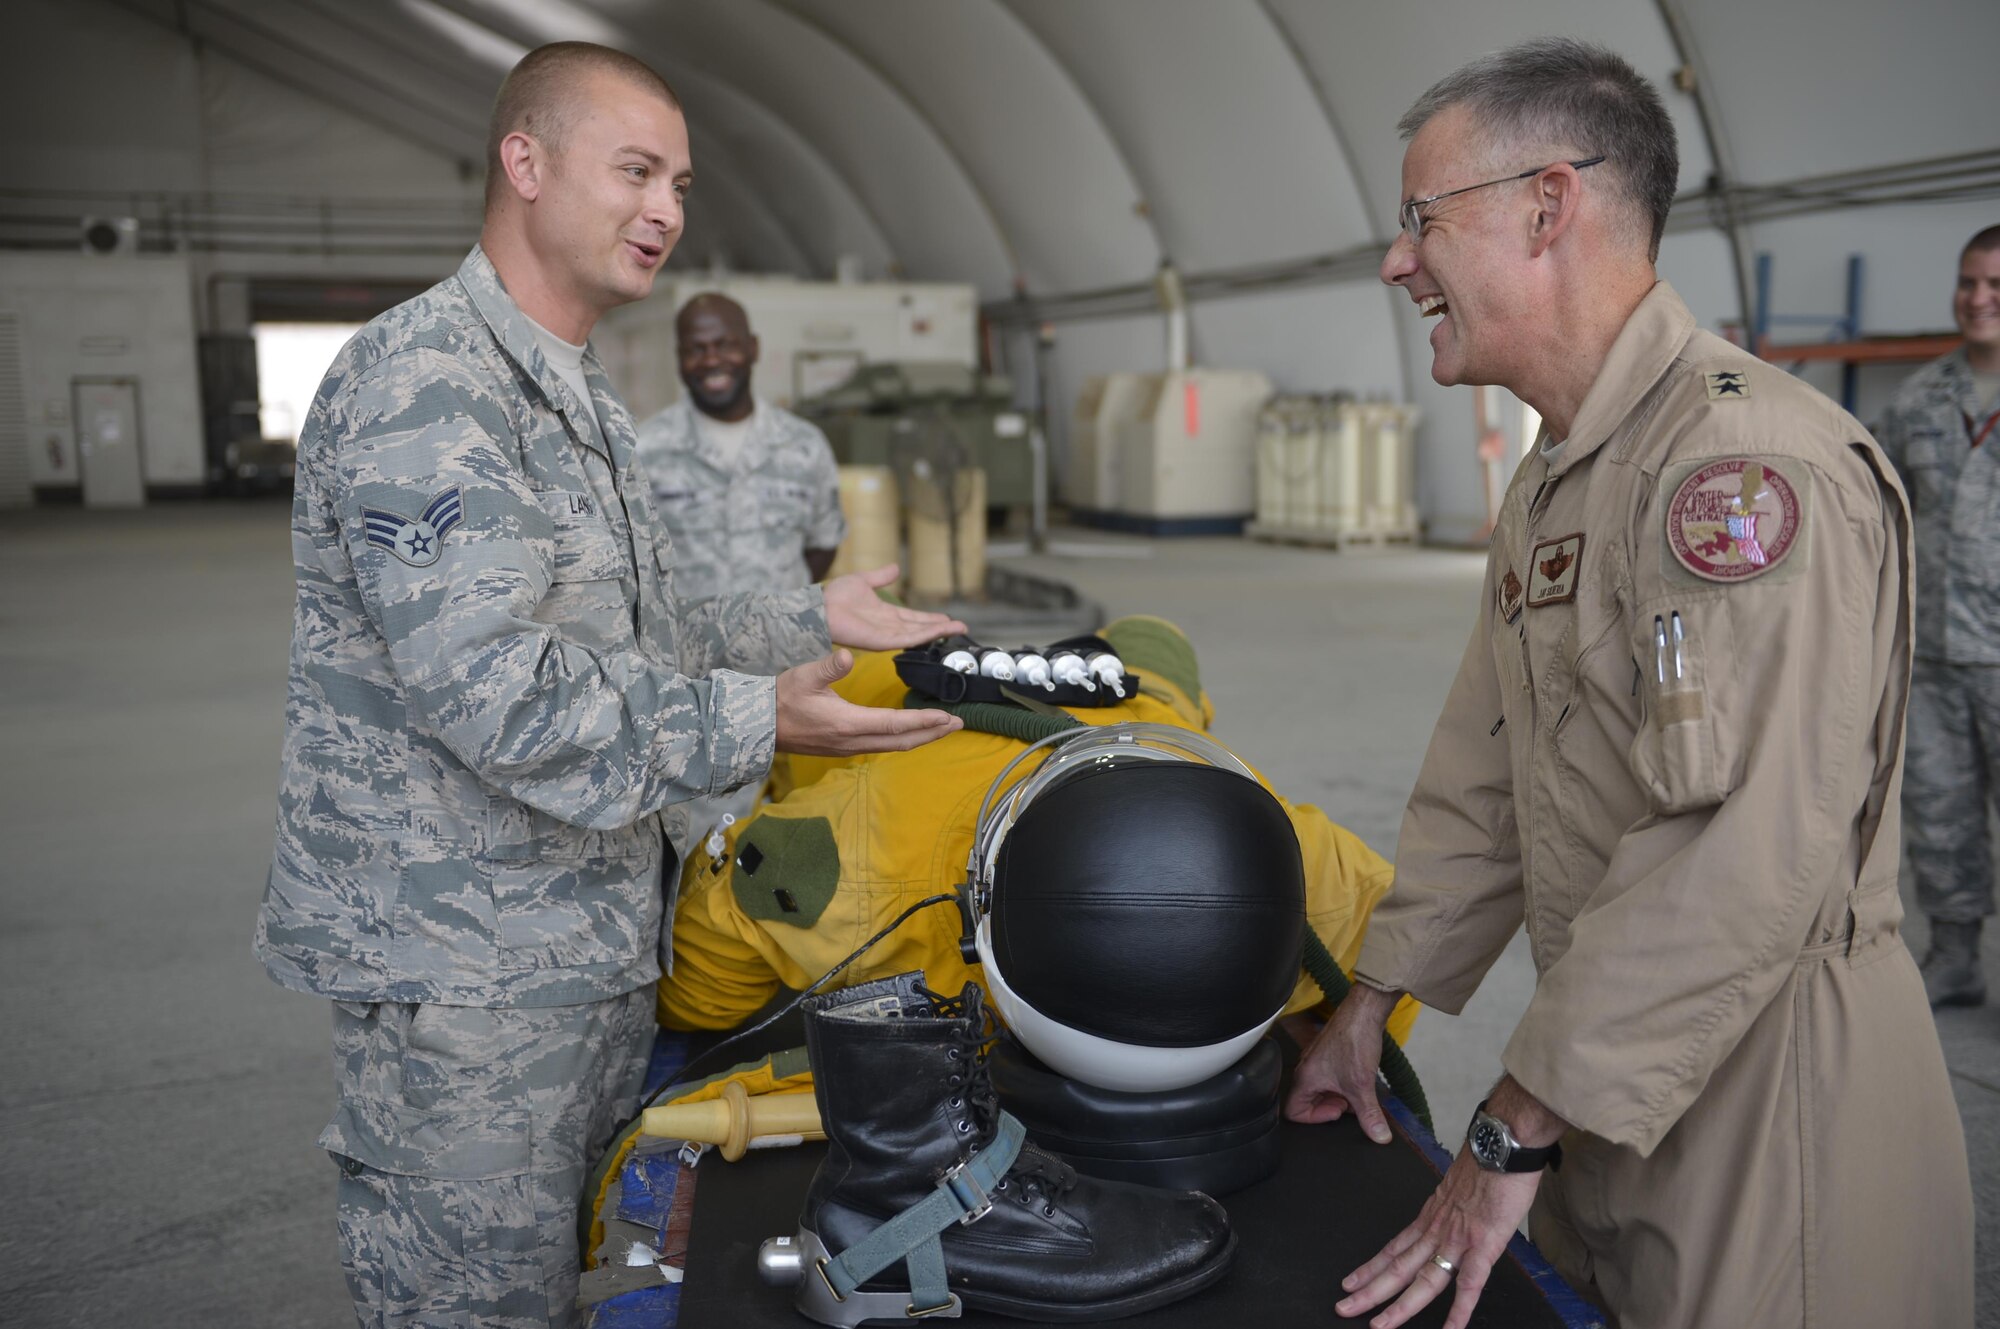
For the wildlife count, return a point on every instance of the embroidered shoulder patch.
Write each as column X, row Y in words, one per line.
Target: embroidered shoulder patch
column 418, row 541
column 1733, row 519
column 1553, row 569
column 1724, row 383
column 1510, row 597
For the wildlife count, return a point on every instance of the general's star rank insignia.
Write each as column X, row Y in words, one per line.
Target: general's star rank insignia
column 417, row 541
column 1552, row 571
column 1727, row 383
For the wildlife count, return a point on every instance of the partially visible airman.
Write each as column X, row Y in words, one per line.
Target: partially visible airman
column 1940, row 433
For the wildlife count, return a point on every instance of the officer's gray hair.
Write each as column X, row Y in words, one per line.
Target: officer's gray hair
column 539, row 96
column 1569, row 99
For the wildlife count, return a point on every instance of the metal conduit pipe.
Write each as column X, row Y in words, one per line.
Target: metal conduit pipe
column 1727, row 216
column 1963, row 176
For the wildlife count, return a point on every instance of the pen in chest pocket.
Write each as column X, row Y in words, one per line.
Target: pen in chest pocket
column 1660, row 635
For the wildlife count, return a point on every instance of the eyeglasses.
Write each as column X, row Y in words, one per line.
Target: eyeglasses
column 1413, row 225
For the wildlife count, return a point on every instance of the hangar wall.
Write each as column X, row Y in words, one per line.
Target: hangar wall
column 82, row 319
column 131, row 116
column 1042, row 149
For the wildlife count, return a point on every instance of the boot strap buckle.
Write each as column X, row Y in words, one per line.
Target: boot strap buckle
column 970, row 1196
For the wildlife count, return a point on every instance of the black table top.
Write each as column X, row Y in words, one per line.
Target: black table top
column 1335, row 1201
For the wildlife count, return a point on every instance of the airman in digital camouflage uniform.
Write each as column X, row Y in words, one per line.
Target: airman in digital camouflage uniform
column 1940, row 432
column 498, row 711
column 749, row 492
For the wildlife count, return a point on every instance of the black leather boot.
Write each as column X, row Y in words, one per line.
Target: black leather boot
column 900, row 1076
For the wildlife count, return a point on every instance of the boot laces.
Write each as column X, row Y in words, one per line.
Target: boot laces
column 1042, row 1175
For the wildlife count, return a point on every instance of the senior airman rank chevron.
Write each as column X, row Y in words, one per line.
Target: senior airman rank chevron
column 417, row 542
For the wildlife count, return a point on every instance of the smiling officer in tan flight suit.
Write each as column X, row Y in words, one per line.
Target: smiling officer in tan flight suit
column 1673, row 748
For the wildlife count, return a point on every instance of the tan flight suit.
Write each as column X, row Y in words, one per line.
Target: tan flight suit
column 1707, row 864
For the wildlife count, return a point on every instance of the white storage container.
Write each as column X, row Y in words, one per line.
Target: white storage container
column 1189, row 453
column 1389, row 486
column 1332, row 470
column 1288, row 462
column 1090, row 477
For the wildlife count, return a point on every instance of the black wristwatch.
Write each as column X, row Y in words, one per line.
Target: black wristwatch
column 1495, row 1149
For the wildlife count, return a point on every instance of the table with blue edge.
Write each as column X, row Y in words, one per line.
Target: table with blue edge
column 1335, row 1202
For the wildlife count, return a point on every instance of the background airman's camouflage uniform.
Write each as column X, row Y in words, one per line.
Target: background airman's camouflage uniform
column 742, row 520
column 1954, row 734
column 497, row 715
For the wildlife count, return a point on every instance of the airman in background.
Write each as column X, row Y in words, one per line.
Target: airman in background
column 749, row 492
column 1940, row 432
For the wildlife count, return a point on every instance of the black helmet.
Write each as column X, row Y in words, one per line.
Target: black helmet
column 1138, row 905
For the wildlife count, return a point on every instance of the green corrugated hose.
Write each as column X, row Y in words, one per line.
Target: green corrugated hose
column 1032, row 726
column 992, row 717
column 1396, row 1068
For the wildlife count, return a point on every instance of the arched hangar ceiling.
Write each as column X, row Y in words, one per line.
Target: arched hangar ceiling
column 1060, row 146
column 1056, row 152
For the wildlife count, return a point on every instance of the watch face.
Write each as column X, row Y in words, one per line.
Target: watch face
column 1488, row 1143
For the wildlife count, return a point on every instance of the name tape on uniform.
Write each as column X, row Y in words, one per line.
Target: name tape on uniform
column 1553, row 569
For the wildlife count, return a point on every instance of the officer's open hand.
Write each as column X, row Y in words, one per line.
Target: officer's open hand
column 1336, row 1073
column 815, row 720
column 857, row 617
column 1467, row 1222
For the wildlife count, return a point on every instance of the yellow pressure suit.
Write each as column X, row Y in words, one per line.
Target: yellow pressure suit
column 848, row 843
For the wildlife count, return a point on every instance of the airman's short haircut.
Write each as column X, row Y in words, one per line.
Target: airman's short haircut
column 539, row 96
column 1986, row 240
column 1557, row 94
column 712, row 302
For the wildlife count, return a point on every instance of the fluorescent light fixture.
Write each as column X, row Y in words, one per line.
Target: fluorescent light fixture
column 474, row 39
column 552, row 20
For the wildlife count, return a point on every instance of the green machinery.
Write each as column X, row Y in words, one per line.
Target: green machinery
column 868, row 417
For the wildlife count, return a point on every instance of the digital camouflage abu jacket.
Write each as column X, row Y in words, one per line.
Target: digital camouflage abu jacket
column 497, row 711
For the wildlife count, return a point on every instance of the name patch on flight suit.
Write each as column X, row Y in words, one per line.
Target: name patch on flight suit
column 1552, row 571
column 1510, row 597
column 1732, row 518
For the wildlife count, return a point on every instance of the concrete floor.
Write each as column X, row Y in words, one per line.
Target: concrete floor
column 162, row 1096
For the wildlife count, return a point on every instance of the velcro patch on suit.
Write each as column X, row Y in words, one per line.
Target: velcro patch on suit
column 1679, row 708
column 1733, row 519
column 787, row 869
column 1553, row 569
column 1727, row 384
column 418, row 541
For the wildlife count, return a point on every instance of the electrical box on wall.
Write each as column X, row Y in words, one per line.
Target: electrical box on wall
column 110, row 236
column 811, row 335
